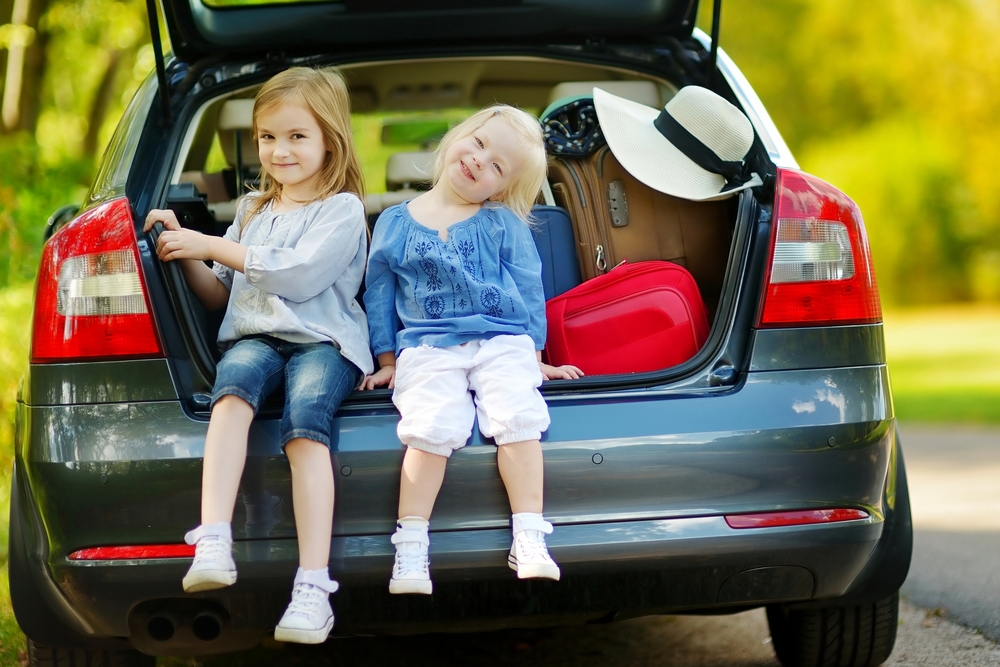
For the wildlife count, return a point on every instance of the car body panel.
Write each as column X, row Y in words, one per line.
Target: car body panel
column 130, row 473
column 817, row 347
column 133, row 381
column 684, row 562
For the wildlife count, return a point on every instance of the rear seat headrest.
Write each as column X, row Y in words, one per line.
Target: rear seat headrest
column 409, row 170
column 237, row 115
column 643, row 92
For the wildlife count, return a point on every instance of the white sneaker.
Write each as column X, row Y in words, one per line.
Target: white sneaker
column 309, row 617
column 213, row 565
column 411, row 573
column 529, row 556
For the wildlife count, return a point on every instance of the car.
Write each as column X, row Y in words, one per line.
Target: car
column 763, row 471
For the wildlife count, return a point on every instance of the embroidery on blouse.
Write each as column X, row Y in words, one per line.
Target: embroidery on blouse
column 431, row 269
column 490, row 298
column 422, row 248
column 434, row 306
column 467, row 249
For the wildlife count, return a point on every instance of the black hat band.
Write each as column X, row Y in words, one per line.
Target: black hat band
column 736, row 173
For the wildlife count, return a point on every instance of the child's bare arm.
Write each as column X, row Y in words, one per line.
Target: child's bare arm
column 566, row 372
column 179, row 243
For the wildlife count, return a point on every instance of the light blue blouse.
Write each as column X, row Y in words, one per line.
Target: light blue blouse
column 302, row 273
column 483, row 281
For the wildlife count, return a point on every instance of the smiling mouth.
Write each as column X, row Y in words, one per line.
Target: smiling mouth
column 466, row 170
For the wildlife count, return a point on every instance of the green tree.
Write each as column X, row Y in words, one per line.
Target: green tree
column 895, row 103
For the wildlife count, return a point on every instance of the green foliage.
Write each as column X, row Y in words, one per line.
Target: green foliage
column 925, row 228
column 29, row 193
column 895, row 103
column 12, row 642
column 15, row 311
column 15, row 305
column 98, row 53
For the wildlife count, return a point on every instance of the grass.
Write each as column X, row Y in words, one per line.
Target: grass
column 944, row 364
column 12, row 650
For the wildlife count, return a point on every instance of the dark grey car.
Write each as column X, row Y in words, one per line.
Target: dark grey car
column 765, row 470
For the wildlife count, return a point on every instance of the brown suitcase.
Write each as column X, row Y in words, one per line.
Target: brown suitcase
column 615, row 217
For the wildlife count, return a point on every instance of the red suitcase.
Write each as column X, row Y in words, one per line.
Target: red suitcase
column 635, row 318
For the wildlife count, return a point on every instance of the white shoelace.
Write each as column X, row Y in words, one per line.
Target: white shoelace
column 532, row 546
column 212, row 549
column 307, row 600
column 411, row 560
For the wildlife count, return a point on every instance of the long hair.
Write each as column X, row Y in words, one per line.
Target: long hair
column 323, row 93
column 525, row 184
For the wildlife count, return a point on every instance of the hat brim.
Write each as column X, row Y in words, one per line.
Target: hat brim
column 650, row 157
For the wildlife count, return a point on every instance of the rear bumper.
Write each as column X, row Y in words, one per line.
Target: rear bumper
column 636, row 483
column 610, row 570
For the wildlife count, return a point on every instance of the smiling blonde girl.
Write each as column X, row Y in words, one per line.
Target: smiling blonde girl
column 457, row 317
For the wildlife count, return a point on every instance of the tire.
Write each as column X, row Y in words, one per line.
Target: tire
column 858, row 636
column 45, row 656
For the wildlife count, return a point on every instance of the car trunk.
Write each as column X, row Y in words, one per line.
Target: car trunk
column 585, row 481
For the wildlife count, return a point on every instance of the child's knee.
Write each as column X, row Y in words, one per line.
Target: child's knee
column 232, row 404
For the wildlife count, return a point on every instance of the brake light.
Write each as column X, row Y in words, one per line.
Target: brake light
column 794, row 518
column 90, row 299
column 140, row 552
column 820, row 269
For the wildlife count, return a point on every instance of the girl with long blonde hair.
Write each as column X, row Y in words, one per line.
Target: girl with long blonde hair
column 287, row 271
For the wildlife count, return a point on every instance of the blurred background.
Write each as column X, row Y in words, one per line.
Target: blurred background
column 893, row 101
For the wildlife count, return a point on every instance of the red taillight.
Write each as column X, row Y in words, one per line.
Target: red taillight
column 90, row 298
column 796, row 518
column 820, row 269
column 140, row 552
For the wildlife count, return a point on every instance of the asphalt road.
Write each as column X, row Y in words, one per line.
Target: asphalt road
column 950, row 615
column 954, row 476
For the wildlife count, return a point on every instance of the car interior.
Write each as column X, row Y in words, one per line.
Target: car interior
column 399, row 111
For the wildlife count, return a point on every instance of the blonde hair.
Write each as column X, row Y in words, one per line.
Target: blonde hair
column 525, row 184
column 323, row 93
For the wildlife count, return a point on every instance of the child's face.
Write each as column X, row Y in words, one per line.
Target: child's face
column 291, row 147
column 479, row 166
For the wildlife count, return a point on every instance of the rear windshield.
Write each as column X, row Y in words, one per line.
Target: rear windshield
column 246, row 3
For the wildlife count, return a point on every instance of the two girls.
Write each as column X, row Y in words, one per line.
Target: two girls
column 287, row 271
column 454, row 290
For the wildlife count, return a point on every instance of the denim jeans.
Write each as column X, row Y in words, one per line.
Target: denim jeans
column 316, row 378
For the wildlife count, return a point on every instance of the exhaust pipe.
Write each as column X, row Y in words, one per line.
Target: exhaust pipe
column 189, row 626
column 162, row 626
column 206, row 626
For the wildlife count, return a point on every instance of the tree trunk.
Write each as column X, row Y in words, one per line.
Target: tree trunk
column 24, row 67
column 6, row 9
column 102, row 100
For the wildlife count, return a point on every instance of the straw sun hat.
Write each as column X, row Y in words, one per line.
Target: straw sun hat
column 695, row 148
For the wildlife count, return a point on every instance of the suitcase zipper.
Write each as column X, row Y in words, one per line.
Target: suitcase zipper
column 604, row 252
column 592, row 236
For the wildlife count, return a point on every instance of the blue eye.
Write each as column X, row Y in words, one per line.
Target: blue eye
column 478, row 142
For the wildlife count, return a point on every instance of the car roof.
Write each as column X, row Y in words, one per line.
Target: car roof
column 200, row 28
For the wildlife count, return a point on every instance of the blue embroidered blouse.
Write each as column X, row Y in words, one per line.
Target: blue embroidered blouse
column 483, row 281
